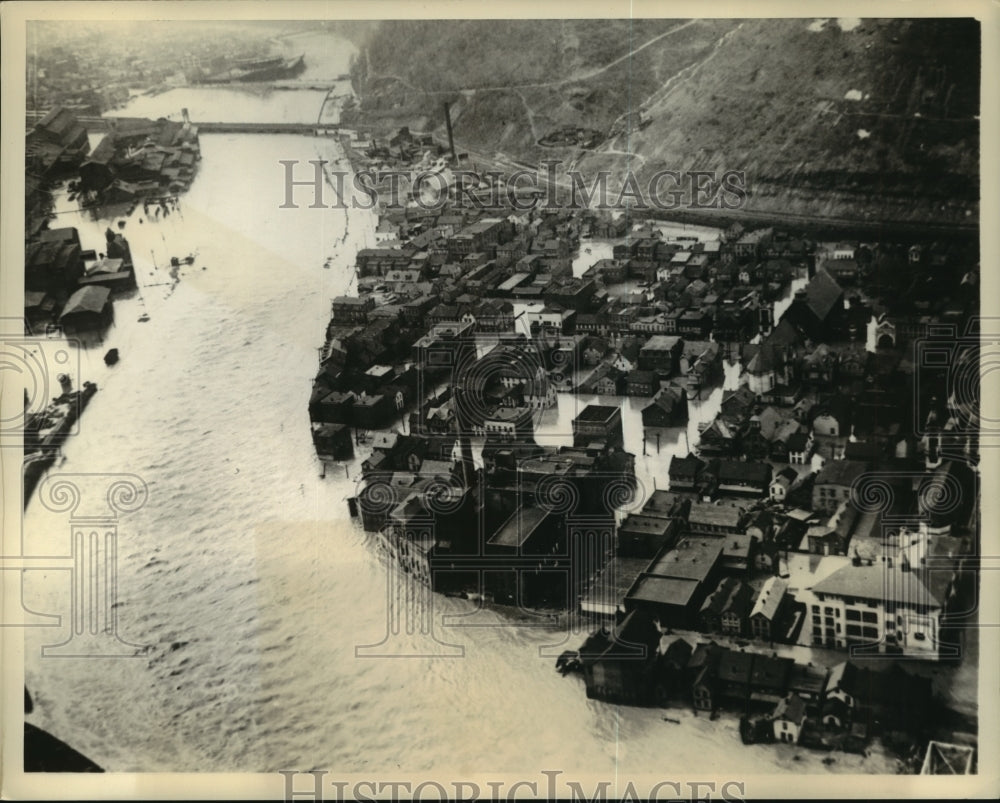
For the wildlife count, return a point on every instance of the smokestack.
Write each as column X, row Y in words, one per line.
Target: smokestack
column 186, row 116
column 451, row 138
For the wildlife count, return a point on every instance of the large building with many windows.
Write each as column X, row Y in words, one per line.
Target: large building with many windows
column 885, row 605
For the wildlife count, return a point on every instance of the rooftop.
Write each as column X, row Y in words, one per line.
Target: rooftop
column 516, row 530
column 693, row 558
column 664, row 590
column 879, row 582
column 597, row 414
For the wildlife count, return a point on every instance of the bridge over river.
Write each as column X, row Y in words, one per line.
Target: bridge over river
column 215, row 127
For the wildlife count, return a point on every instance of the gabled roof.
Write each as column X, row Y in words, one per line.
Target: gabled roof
column 771, row 594
column 88, row 299
column 791, row 708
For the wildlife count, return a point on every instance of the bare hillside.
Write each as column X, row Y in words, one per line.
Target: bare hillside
column 860, row 119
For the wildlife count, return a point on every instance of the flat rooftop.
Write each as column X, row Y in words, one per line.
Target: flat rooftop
column 664, row 590
column 516, row 530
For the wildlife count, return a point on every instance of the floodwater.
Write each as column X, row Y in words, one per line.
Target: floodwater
column 243, row 585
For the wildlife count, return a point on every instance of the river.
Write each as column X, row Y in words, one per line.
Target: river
column 243, row 580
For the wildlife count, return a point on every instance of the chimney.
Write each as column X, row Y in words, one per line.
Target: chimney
column 185, row 116
column 451, row 138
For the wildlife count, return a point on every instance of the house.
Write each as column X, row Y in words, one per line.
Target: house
column 640, row 383
column 752, row 243
column 87, row 310
column 788, row 717
column 619, row 663
column 350, row 310
column 744, row 478
column 800, row 446
column 642, row 536
column 705, row 517
column 719, row 438
column 834, row 483
column 684, row 472
column 737, row 405
column 599, row 424
column 333, row 441
column 782, row 481
column 819, row 368
column 727, row 608
column 661, row 352
column 768, row 608
column 695, row 324
column 668, row 408
column 886, row 606
column 845, row 271
column 809, row 683
column 876, row 696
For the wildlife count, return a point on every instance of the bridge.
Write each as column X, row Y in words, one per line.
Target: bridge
column 216, row 127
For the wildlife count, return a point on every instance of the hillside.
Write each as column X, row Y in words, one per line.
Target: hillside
column 861, row 119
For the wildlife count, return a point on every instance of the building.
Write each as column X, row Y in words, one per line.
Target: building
column 619, row 663
column 53, row 262
column 88, row 310
column 600, row 426
column 350, row 311
column 675, row 584
column 727, row 608
column 333, row 441
column 886, row 606
column 667, row 409
column 642, row 536
column 712, row 519
column 56, row 141
column 685, row 472
column 879, row 698
column 788, row 717
column 744, row 478
column 768, row 608
column 140, row 157
column 782, row 481
column 834, row 483
column 818, row 310
column 661, row 353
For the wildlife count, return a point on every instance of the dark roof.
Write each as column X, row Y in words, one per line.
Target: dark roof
column 771, row 672
column 665, row 590
column 662, row 502
column 597, row 413
column 734, row 667
column 822, row 293
column 521, row 524
column 791, row 708
column 739, row 471
column 644, row 524
column 720, row 515
column 688, row 466
column 841, row 472
column 693, row 558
